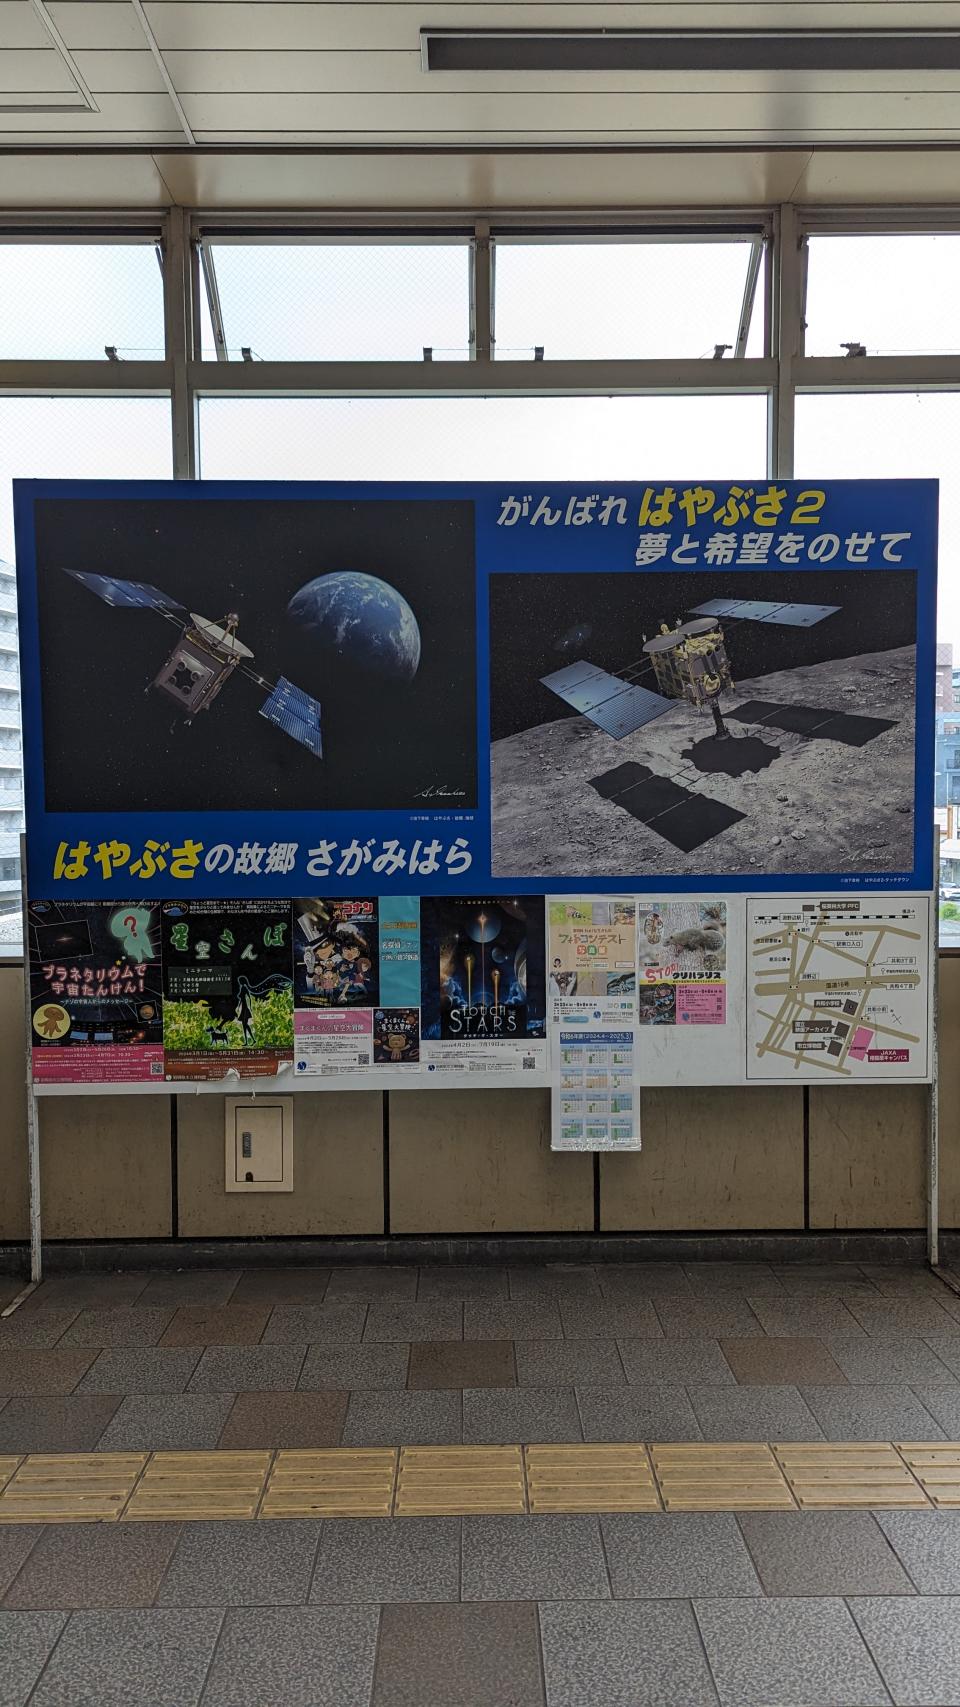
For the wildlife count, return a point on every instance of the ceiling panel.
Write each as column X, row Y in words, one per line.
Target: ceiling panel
column 34, row 70
column 20, row 26
column 97, row 23
column 124, row 71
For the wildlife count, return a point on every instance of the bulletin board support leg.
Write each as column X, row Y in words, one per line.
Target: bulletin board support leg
column 33, row 1112
column 933, row 1112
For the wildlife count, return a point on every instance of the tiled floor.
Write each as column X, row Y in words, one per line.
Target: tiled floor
column 653, row 1609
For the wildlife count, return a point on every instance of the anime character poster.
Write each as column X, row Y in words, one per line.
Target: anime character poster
column 228, row 988
column 483, row 995
column 95, row 991
column 336, row 982
column 396, row 1037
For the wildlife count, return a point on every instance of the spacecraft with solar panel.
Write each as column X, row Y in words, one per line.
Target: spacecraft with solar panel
column 204, row 657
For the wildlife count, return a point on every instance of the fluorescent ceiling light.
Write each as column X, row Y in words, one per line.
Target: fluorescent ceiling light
column 690, row 50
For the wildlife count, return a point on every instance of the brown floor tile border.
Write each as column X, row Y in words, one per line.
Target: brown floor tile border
column 100, row 1487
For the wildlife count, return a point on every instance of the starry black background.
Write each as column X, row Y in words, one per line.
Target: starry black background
column 539, row 623
column 109, row 745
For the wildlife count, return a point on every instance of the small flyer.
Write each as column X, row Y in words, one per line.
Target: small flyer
column 594, row 1103
column 228, row 989
column 682, row 958
column 95, row 991
column 483, row 995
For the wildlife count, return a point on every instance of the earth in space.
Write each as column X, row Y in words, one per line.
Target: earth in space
column 348, row 629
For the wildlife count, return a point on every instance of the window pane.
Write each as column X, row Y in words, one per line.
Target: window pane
column 68, row 301
column 630, row 299
column 342, row 302
column 904, row 435
column 482, row 438
column 123, row 438
column 896, row 295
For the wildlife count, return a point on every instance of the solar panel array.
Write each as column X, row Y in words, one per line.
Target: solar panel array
column 763, row 610
column 132, row 594
column 293, row 711
column 617, row 707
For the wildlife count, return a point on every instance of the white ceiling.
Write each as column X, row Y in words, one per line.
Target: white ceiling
column 273, row 74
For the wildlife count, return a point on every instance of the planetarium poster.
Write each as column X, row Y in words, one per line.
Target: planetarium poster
column 270, row 691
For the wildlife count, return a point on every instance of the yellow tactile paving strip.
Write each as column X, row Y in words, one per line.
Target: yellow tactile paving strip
column 414, row 1481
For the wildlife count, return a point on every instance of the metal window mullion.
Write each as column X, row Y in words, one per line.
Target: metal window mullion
column 481, row 293
column 481, row 377
column 178, row 294
column 786, row 308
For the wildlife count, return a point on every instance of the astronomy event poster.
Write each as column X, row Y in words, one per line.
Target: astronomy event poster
column 95, row 991
column 227, row 988
column 483, row 996
column 476, row 689
column 682, row 953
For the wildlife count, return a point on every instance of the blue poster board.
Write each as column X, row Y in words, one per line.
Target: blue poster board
column 268, row 690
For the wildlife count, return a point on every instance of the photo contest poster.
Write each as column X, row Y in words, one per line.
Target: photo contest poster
column 227, row 988
column 95, row 991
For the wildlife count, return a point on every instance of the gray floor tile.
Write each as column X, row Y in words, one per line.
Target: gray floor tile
column 531, row 1415
column 400, row 1558
column 346, row 1366
column 533, row 1558
column 217, row 1324
column 770, row 1362
column 793, row 1317
column 591, row 1321
column 165, row 1422
column 16, row 1540
column 621, row 1283
column 272, row 1286
column 947, row 1349
column 794, row 1653
column 78, row 1565
column 72, row 1424
column 753, row 1413
column 378, row 1280
column 26, row 1639
column 566, row 1363
column 637, row 1413
column 747, row 1278
column 943, row 1404
column 462, row 1363
column 303, row 1656
column 497, row 1321
column 800, row 1275
column 928, row 1544
column 129, row 1659
column 871, row 1413
column 192, row 1286
column 643, row 1653
column 316, row 1324
column 920, row 1315
column 242, row 1564
column 142, row 1369
column 248, row 1368
column 42, row 1372
column 902, row 1277
column 667, row 1555
column 536, row 1284
column 403, row 1419
column 916, row 1644
column 477, row 1655
column 675, row 1363
column 88, row 1291
column 693, row 1316
column 822, row 1553
column 288, row 1420
column 441, row 1319
column 441, row 1280
column 37, row 1330
column 886, row 1361
column 122, row 1325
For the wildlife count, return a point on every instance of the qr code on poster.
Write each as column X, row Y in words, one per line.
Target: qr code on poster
column 363, row 1058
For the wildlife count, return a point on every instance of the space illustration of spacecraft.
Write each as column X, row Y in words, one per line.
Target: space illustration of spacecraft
column 204, row 657
column 688, row 662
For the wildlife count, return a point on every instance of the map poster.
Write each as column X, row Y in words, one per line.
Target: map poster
column 95, row 991
column 594, row 1102
column 228, row 989
column 682, row 955
column 838, row 987
column 592, row 958
column 483, row 996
